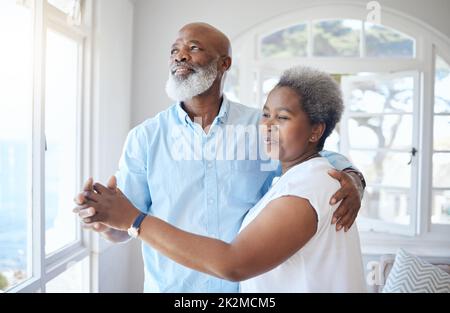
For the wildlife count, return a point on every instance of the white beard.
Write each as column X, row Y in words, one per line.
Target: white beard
column 182, row 89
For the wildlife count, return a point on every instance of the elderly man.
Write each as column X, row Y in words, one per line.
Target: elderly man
column 200, row 194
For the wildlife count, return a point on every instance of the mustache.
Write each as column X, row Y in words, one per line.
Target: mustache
column 179, row 65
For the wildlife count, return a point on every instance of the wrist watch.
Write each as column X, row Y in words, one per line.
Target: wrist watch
column 135, row 228
column 360, row 176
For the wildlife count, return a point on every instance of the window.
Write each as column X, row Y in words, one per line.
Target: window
column 385, row 42
column 388, row 120
column 43, row 71
column 441, row 149
column 15, row 142
column 61, row 146
column 288, row 42
column 336, row 38
column 379, row 139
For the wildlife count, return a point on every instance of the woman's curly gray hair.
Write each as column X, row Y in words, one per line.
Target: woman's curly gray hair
column 320, row 96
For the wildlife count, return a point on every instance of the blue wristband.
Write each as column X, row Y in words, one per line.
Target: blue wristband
column 133, row 231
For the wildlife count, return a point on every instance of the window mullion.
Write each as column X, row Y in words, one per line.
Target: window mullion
column 424, row 183
column 344, row 137
column 414, row 192
column 38, row 147
column 79, row 111
column 246, row 78
column 362, row 40
column 86, row 108
column 310, row 41
column 259, row 86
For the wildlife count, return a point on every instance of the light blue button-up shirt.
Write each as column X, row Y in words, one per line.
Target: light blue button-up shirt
column 201, row 183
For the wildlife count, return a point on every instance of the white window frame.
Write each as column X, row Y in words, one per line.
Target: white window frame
column 445, row 55
column 368, row 224
column 424, row 237
column 46, row 267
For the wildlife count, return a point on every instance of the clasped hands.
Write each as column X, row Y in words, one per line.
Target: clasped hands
column 102, row 208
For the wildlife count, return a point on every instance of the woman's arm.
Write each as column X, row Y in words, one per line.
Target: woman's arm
column 281, row 229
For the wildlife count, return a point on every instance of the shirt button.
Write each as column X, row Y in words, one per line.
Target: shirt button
column 210, row 201
column 210, row 165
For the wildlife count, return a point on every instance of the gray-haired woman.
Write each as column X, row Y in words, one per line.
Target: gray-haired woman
column 286, row 242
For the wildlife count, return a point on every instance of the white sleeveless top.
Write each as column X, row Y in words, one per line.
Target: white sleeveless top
column 330, row 261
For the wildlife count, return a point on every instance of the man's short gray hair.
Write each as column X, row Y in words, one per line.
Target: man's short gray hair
column 320, row 96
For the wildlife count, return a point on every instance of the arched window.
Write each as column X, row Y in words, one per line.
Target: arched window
column 392, row 76
column 336, row 38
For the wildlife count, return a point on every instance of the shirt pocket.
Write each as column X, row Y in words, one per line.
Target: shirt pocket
column 245, row 182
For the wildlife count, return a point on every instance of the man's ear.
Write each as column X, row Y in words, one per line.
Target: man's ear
column 317, row 132
column 226, row 63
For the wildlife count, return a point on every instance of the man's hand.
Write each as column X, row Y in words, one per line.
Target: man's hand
column 84, row 211
column 110, row 205
column 350, row 193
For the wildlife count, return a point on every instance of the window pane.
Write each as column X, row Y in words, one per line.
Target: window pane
column 387, row 205
column 288, row 42
column 441, row 207
column 267, row 86
column 332, row 143
column 334, row 38
column 387, row 131
column 441, row 87
column 232, row 86
column 63, row 5
column 74, row 279
column 15, row 142
column 375, row 94
column 441, row 170
column 60, row 130
column 384, row 168
column 382, row 41
column 442, row 132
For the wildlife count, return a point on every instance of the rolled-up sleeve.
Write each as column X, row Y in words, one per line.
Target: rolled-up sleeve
column 132, row 173
column 338, row 161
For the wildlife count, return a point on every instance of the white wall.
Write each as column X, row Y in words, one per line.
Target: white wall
column 117, row 268
column 157, row 22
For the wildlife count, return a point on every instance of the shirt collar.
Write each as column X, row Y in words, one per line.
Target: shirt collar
column 223, row 112
column 182, row 114
column 221, row 117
